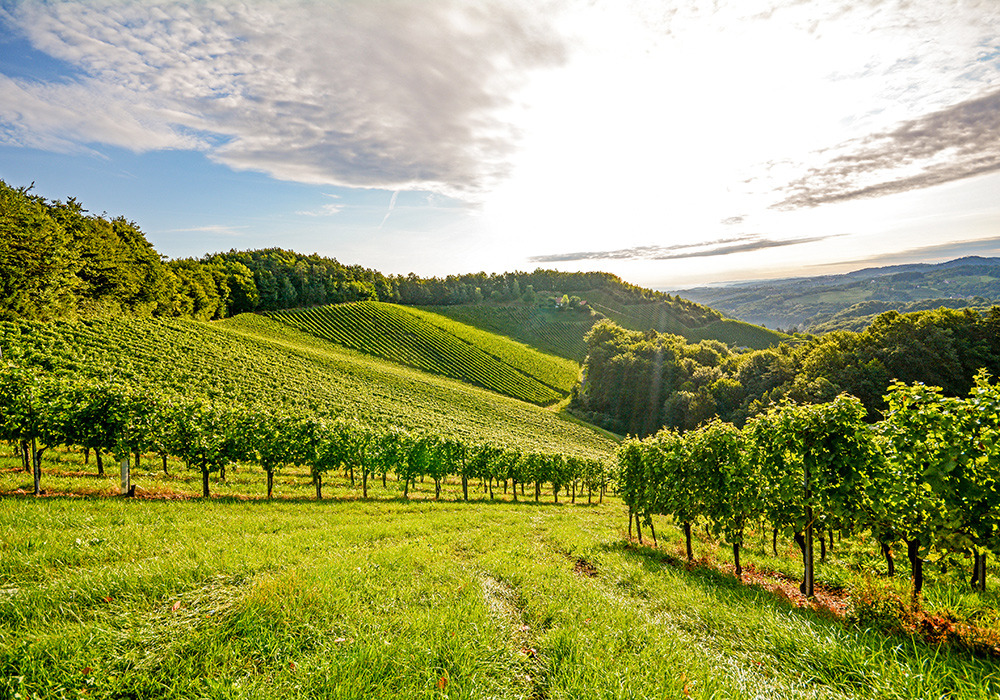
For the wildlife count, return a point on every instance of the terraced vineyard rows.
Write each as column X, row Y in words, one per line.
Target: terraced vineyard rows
column 555, row 371
column 553, row 331
column 435, row 344
column 255, row 360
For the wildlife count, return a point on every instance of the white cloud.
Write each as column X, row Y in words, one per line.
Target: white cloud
column 609, row 126
column 676, row 122
column 399, row 95
column 68, row 117
column 951, row 144
column 325, row 210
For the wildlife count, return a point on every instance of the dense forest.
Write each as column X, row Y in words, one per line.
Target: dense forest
column 637, row 383
column 59, row 262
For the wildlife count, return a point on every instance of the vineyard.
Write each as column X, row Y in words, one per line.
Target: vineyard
column 380, row 592
column 550, row 330
column 254, row 361
column 437, row 344
column 927, row 477
column 41, row 413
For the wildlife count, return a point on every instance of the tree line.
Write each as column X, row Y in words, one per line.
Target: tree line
column 636, row 383
column 927, row 476
column 39, row 412
column 59, row 262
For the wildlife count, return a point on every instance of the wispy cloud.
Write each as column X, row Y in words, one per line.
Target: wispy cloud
column 325, row 210
column 951, row 144
column 725, row 246
column 363, row 94
column 392, row 205
column 985, row 247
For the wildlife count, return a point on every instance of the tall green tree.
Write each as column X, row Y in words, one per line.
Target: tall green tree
column 37, row 266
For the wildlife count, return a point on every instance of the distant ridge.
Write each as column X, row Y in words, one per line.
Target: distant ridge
column 59, row 263
column 909, row 267
column 831, row 302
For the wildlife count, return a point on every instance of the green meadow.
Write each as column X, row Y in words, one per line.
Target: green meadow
column 238, row 597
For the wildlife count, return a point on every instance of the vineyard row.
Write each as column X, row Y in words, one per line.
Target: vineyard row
column 927, row 476
column 41, row 412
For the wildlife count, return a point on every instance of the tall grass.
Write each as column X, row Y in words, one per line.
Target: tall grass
column 106, row 597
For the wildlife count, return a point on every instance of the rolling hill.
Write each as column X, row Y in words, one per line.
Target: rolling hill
column 437, row 344
column 561, row 332
column 253, row 359
column 548, row 329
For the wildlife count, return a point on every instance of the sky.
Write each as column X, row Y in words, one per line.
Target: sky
column 672, row 142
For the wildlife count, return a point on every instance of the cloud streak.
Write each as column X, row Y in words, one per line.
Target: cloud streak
column 361, row 94
column 948, row 145
column 392, row 205
column 325, row 210
column 725, row 246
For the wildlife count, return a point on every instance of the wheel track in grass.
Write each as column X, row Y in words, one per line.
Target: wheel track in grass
column 501, row 602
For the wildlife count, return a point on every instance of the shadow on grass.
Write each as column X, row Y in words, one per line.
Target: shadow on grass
column 729, row 590
column 726, row 586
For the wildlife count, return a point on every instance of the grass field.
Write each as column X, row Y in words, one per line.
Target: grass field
column 550, row 330
column 343, row 598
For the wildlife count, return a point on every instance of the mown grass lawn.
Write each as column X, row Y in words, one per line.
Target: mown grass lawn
column 230, row 598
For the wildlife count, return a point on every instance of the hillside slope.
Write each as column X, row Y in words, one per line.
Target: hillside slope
column 438, row 344
column 562, row 332
column 253, row 359
column 547, row 329
column 691, row 321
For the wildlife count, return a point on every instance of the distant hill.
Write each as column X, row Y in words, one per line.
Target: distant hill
column 850, row 301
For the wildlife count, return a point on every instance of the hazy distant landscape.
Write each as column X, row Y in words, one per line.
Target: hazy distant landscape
column 851, row 301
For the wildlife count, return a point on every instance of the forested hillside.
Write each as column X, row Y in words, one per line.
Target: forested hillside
column 59, row 262
column 55, row 262
column 637, row 382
